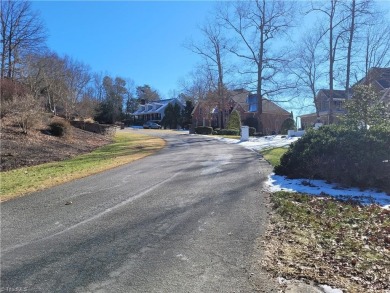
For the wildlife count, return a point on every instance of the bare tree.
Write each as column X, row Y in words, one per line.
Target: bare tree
column 27, row 112
column 22, row 31
column 308, row 64
column 31, row 72
column 200, row 88
column 131, row 101
column 259, row 25
column 44, row 74
column 197, row 85
column 54, row 74
column 350, row 42
column 377, row 45
column 357, row 13
column 97, row 79
column 334, row 32
column 86, row 107
column 213, row 50
column 76, row 77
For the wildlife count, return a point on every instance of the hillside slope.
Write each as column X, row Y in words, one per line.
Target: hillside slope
column 39, row 146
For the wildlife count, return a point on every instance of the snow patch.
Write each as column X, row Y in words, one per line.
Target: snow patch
column 314, row 187
column 321, row 188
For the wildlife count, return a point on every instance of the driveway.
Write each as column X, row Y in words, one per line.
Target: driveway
column 187, row 219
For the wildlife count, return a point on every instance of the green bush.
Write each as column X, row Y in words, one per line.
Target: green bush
column 203, row 130
column 252, row 131
column 287, row 124
column 351, row 157
column 229, row 132
column 59, row 128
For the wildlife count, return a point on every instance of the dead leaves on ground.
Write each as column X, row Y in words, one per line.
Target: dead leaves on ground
column 330, row 242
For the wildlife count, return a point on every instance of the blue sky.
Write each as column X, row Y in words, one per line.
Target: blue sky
column 141, row 40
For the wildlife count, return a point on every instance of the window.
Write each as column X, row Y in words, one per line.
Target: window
column 338, row 105
column 252, row 103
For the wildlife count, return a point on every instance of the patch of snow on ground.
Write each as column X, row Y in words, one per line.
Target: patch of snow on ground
column 321, row 188
column 328, row 289
column 314, row 187
column 259, row 143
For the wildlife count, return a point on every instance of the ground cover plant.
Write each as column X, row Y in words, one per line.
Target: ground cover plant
column 342, row 244
column 126, row 147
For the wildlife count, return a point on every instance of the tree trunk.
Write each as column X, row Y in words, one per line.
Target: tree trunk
column 351, row 33
column 260, row 71
column 331, row 62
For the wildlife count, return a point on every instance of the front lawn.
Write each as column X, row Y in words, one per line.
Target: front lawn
column 126, row 148
column 341, row 244
column 273, row 155
column 344, row 245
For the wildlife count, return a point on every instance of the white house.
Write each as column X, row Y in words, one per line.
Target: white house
column 154, row 110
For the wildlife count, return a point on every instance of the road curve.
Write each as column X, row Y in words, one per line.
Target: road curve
column 183, row 220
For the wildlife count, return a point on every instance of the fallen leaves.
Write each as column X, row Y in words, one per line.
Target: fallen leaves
column 330, row 242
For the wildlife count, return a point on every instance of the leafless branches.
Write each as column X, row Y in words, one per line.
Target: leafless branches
column 22, row 32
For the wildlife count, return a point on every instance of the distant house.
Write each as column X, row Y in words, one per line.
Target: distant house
column 272, row 117
column 378, row 78
column 322, row 98
column 154, row 110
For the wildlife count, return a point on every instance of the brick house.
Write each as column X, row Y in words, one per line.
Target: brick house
column 378, row 78
column 339, row 96
column 272, row 118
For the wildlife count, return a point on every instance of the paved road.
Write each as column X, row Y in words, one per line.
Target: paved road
column 183, row 220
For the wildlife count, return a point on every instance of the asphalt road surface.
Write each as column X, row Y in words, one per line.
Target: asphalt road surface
column 186, row 219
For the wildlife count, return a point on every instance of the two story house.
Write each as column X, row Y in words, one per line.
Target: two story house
column 207, row 113
column 154, row 110
column 378, row 78
column 323, row 103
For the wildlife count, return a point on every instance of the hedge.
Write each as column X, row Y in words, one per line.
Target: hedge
column 203, row 130
column 228, row 132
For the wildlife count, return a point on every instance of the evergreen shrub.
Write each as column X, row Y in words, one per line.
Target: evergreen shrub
column 59, row 128
column 234, row 120
column 229, row 132
column 287, row 125
column 203, row 130
column 341, row 154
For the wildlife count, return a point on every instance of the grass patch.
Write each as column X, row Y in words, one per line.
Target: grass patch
column 330, row 242
column 126, row 148
column 273, row 155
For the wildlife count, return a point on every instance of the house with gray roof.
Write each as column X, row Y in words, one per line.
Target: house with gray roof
column 154, row 110
column 323, row 102
column 378, row 78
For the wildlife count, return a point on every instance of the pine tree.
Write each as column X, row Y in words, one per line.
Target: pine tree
column 234, row 121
